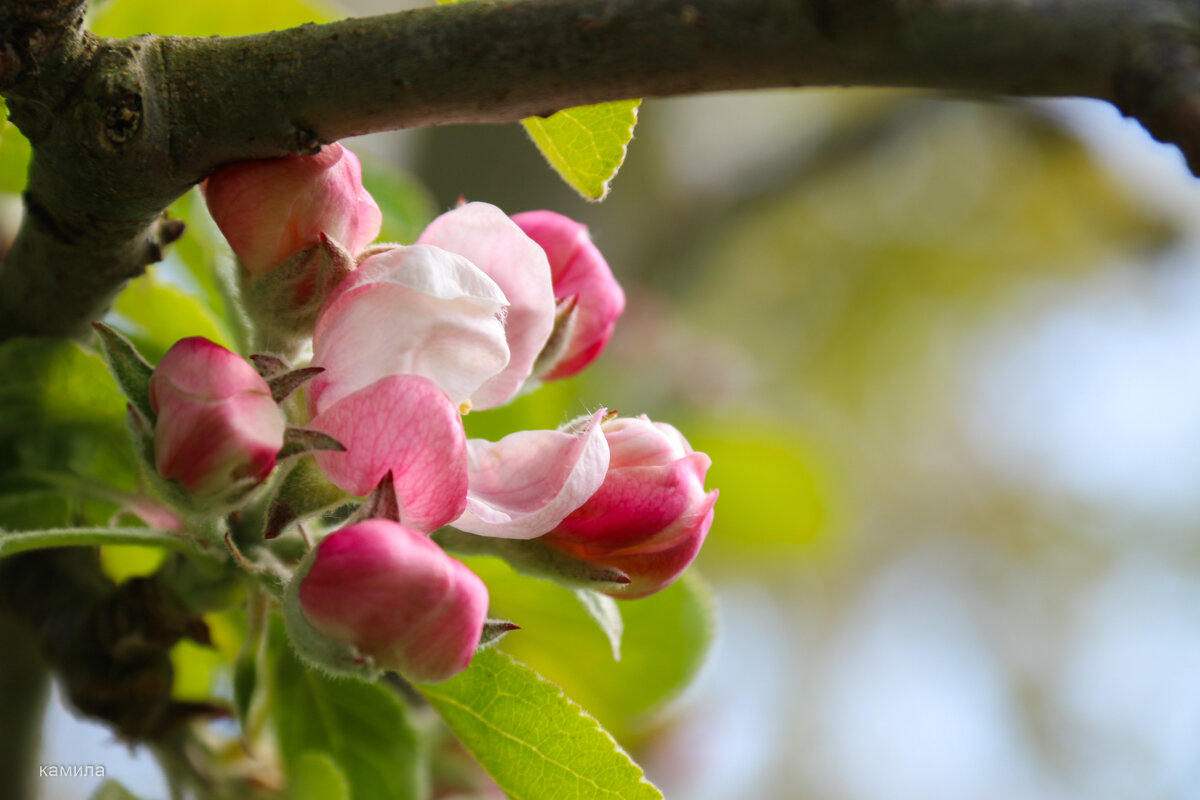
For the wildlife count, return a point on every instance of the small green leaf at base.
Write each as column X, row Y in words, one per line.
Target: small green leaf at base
column 533, row 740
column 603, row 609
column 131, row 371
column 586, row 144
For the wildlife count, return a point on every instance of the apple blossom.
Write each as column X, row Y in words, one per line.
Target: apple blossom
column 582, row 278
column 409, row 311
column 525, row 484
column 397, row 597
column 216, row 422
column 269, row 210
column 651, row 513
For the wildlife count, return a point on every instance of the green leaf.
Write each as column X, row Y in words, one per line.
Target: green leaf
column 316, row 776
column 604, row 611
column 665, row 640
column 156, row 314
column 363, row 726
column 14, row 156
column 62, row 414
column 586, row 144
column 120, row 562
column 212, row 18
column 531, row 738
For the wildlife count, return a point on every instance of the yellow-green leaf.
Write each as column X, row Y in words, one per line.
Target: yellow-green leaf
column 14, row 155
column 586, row 145
column 211, row 18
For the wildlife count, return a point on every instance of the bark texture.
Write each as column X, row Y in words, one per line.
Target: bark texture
column 122, row 128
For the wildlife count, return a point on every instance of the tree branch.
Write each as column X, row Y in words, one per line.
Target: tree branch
column 122, row 128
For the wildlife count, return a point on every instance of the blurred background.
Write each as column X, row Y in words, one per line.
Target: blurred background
column 942, row 353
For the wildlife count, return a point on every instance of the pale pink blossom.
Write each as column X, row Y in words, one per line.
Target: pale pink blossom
column 491, row 241
column 410, row 310
column 582, row 278
column 216, row 422
column 650, row 515
column 396, row 596
column 525, row 484
column 269, row 210
column 406, row 426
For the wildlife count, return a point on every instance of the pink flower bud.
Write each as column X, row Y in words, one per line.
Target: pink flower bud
column 650, row 515
column 396, row 596
column 272, row 209
column 580, row 275
column 216, row 420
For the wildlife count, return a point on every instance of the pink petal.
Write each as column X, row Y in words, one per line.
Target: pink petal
column 414, row 311
column 403, row 424
column 636, row 441
column 491, row 241
column 525, row 484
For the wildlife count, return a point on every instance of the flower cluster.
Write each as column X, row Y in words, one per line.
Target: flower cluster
column 405, row 340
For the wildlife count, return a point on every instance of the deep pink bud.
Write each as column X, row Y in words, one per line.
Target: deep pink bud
column 650, row 515
column 581, row 276
column 396, row 596
column 272, row 209
column 216, row 420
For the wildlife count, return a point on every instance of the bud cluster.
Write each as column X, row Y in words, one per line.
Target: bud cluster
column 405, row 340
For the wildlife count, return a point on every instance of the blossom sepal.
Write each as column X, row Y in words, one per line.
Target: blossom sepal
column 303, row 493
column 298, row 441
column 494, row 630
column 283, row 384
column 533, row 558
column 284, row 302
column 381, row 503
column 128, row 367
column 566, row 315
